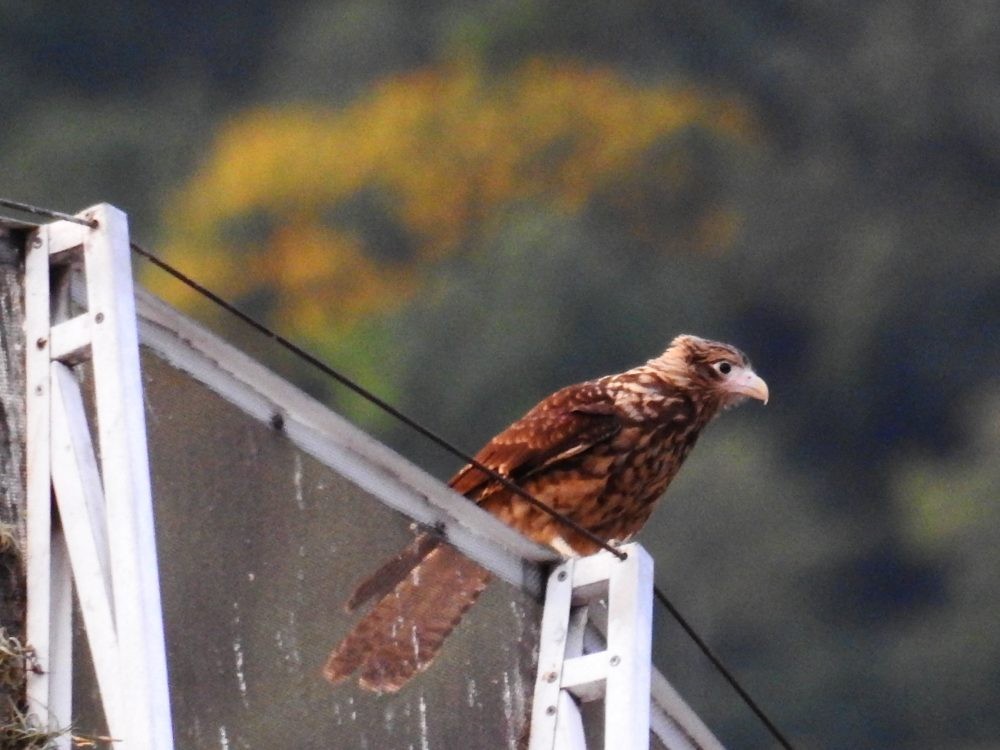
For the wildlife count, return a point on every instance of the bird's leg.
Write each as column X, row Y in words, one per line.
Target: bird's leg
column 561, row 546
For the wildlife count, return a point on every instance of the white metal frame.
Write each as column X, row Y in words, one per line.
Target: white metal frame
column 100, row 528
column 619, row 674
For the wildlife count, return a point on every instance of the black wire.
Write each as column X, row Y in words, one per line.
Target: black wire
column 433, row 437
column 46, row 212
column 377, row 401
column 720, row 667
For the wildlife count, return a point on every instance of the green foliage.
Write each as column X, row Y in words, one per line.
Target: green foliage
column 950, row 512
column 343, row 217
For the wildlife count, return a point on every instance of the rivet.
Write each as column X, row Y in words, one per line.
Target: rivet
column 99, row 318
column 616, row 660
column 38, row 390
column 550, row 711
column 561, row 576
column 551, row 677
column 42, row 341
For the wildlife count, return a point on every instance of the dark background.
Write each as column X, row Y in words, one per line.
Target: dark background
column 816, row 183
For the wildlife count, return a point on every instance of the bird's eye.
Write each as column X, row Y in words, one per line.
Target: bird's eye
column 724, row 367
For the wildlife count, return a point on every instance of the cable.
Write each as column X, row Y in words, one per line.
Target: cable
column 380, row 403
column 46, row 212
column 720, row 667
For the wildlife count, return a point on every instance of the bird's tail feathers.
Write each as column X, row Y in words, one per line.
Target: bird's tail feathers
column 403, row 632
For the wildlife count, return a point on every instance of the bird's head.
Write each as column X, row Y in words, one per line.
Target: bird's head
column 719, row 371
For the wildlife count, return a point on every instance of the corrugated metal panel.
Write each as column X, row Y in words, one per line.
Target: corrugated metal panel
column 260, row 545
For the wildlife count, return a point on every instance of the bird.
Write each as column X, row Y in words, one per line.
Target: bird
column 600, row 453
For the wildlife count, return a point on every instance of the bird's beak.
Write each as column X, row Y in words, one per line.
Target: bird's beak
column 748, row 383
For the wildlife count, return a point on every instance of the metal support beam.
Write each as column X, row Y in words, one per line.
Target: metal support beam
column 618, row 675
column 47, row 619
column 106, row 516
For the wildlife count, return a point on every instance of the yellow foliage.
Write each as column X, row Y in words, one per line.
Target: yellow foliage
column 337, row 214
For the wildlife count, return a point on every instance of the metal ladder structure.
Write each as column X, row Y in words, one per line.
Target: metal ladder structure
column 89, row 527
column 616, row 596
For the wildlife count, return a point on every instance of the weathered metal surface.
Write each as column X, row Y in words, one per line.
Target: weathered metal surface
column 260, row 544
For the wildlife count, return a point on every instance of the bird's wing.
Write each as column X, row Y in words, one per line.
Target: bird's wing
column 566, row 424
column 422, row 592
column 394, row 570
column 563, row 425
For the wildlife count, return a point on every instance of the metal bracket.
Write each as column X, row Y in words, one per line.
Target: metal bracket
column 619, row 675
column 99, row 533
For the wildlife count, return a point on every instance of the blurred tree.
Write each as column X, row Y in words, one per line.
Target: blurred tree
column 323, row 220
column 946, row 663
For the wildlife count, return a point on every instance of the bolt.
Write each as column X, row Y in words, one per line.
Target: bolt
column 615, row 661
column 550, row 711
column 551, row 677
column 561, row 576
column 99, row 318
column 42, row 341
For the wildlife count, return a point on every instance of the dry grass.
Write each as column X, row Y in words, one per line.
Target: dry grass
column 8, row 539
column 18, row 730
column 15, row 659
column 21, row 732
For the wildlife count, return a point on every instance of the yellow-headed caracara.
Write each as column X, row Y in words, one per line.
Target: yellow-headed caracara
column 600, row 452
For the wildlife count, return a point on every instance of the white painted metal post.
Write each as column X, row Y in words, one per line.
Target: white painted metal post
column 61, row 637
column 619, row 674
column 630, row 634
column 125, row 469
column 553, row 637
column 106, row 517
column 47, row 611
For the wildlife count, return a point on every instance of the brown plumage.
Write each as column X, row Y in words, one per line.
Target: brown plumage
column 600, row 452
